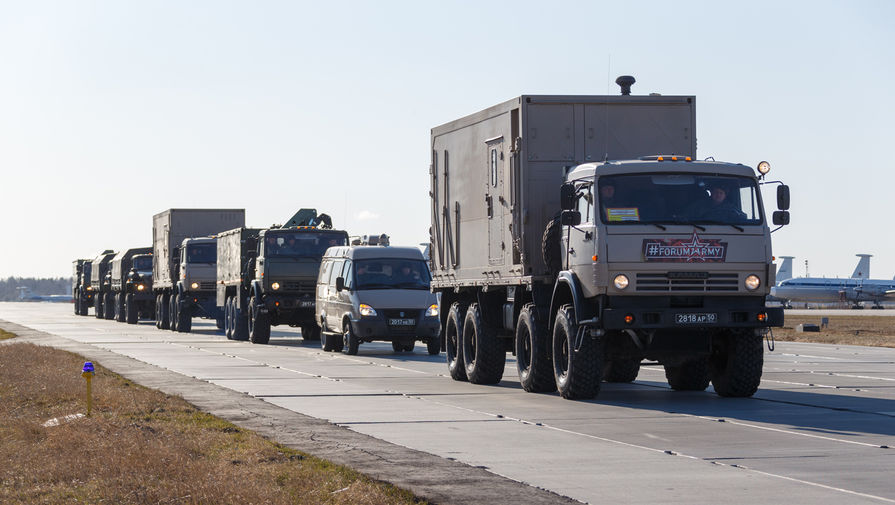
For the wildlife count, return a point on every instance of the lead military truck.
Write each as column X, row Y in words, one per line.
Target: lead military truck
column 560, row 234
column 81, row 291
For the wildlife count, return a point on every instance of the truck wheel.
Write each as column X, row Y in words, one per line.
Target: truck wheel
column 109, row 306
column 577, row 373
column 736, row 363
column 433, row 346
column 397, row 346
column 453, row 329
column 240, row 322
column 184, row 315
column 77, row 299
column 228, row 318
column 310, row 333
column 259, row 325
column 483, row 355
column 409, row 346
column 622, row 370
column 98, row 306
column 172, row 312
column 350, row 342
column 692, row 375
column 120, row 314
column 219, row 321
column 130, row 309
column 533, row 360
column 163, row 308
column 550, row 246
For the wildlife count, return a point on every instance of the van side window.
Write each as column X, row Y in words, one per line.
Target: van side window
column 336, row 271
column 324, row 272
column 347, row 273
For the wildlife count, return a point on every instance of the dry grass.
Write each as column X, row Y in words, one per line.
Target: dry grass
column 6, row 335
column 876, row 331
column 141, row 446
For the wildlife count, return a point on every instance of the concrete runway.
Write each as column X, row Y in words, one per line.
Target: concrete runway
column 820, row 430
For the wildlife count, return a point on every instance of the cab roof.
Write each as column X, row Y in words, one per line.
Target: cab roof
column 653, row 165
column 374, row 252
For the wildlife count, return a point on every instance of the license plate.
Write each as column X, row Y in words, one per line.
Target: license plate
column 696, row 318
column 401, row 322
column 306, row 303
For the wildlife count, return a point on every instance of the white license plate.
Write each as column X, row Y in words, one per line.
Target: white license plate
column 696, row 318
column 401, row 322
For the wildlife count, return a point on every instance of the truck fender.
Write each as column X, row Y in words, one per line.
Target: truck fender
column 255, row 292
column 567, row 289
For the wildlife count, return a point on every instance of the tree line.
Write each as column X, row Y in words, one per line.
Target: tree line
column 38, row 286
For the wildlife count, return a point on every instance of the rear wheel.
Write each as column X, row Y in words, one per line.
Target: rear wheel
column 109, row 306
column 130, row 309
column 120, row 314
column 577, row 372
column 453, row 329
column 184, row 315
column 409, row 347
column 310, row 333
column 691, row 375
column 483, row 355
column 163, row 307
column 259, row 325
column 172, row 312
column 397, row 346
column 98, row 306
column 736, row 363
column 77, row 299
column 533, row 353
column 350, row 342
column 622, row 370
column 228, row 317
column 219, row 322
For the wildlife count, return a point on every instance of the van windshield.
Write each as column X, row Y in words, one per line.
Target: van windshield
column 391, row 273
column 679, row 199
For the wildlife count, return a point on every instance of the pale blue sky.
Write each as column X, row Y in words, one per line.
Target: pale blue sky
column 112, row 111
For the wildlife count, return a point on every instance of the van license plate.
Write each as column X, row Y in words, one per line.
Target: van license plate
column 696, row 318
column 401, row 322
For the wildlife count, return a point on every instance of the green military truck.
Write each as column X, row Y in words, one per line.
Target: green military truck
column 81, row 290
column 101, row 285
column 132, row 285
column 579, row 233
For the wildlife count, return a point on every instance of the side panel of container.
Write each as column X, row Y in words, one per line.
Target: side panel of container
column 232, row 251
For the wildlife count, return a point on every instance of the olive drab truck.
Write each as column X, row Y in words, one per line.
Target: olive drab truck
column 100, row 285
column 579, row 233
column 184, row 264
column 81, row 291
column 132, row 285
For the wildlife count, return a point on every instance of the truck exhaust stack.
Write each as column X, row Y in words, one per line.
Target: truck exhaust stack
column 625, row 81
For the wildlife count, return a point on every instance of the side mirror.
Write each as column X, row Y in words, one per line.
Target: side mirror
column 783, row 197
column 340, row 283
column 570, row 218
column 567, row 196
column 781, row 217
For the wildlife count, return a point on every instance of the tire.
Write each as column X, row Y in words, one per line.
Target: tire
column 172, row 312
column 483, row 355
column 120, row 314
column 692, row 375
column 109, row 306
column 350, row 342
column 240, row 321
column 408, row 347
column 184, row 316
column 736, row 364
column 98, row 306
column 131, row 314
column 622, row 370
column 228, row 317
column 453, row 331
column 328, row 341
column 163, row 308
column 310, row 333
column 76, row 297
column 533, row 360
column 433, row 346
column 397, row 346
column 551, row 249
column 219, row 322
column 259, row 325
column 577, row 373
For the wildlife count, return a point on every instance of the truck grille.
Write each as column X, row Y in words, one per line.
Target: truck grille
column 675, row 281
column 204, row 285
column 300, row 286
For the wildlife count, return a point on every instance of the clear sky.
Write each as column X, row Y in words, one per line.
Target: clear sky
column 112, row 111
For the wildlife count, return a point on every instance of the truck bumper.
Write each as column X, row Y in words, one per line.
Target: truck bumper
column 702, row 318
column 376, row 328
column 202, row 304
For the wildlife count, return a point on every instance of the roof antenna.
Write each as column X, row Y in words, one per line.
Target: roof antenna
column 625, row 81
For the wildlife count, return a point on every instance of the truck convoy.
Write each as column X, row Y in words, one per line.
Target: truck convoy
column 184, row 264
column 579, row 233
column 132, row 285
column 81, row 291
column 100, row 284
column 268, row 277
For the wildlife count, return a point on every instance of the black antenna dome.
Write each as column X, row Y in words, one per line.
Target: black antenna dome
column 625, row 81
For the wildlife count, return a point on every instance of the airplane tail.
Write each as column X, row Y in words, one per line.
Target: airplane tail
column 785, row 270
column 862, row 271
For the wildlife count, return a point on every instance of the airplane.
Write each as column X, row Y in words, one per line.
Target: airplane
column 25, row 295
column 855, row 289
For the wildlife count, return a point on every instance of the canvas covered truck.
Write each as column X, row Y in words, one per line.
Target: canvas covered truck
column 100, row 284
column 132, row 285
column 81, row 291
column 579, row 233
column 184, row 265
column 235, row 270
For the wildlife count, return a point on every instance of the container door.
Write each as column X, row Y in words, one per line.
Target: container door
column 495, row 202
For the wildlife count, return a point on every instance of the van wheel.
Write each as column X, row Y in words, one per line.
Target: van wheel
column 350, row 342
column 533, row 352
column 692, row 375
column 453, row 331
column 483, row 355
column 736, row 363
column 259, row 325
column 433, row 346
column 577, row 373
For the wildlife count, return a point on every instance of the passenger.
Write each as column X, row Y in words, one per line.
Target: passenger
column 406, row 274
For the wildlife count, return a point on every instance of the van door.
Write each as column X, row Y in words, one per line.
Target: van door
column 494, row 201
column 322, row 290
column 333, row 309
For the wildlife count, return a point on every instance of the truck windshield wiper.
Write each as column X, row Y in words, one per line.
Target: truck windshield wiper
column 722, row 223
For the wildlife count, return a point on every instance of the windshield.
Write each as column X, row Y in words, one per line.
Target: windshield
column 202, row 253
column 679, row 198
column 391, row 273
column 143, row 263
column 300, row 244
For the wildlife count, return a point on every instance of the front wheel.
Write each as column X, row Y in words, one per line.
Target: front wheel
column 109, row 306
column 397, row 346
column 184, row 315
column 130, row 309
column 259, row 325
column 350, row 342
column 736, row 363
column 120, row 314
column 433, row 346
column 691, row 375
column 577, row 372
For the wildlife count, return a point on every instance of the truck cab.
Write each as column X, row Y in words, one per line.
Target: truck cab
column 194, row 293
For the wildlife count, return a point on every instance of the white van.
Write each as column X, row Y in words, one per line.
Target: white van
column 367, row 293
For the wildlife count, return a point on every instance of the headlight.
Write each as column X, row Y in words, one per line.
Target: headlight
column 89, row 288
column 752, row 282
column 140, row 287
column 432, row 311
column 275, row 286
column 620, row 281
column 366, row 310
column 194, row 285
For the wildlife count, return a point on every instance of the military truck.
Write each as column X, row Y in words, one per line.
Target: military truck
column 132, row 285
column 101, row 285
column 184, row 268
column 284, row 276
column 579, row 233
column 235, row 270
column 81, row 290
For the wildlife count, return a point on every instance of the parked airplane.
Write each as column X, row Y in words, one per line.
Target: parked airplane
column 25, row 295
column 858, row 288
